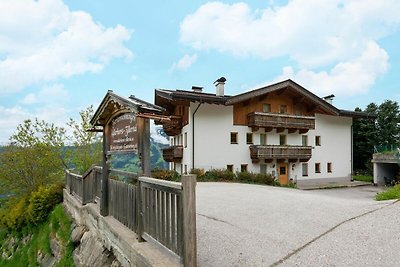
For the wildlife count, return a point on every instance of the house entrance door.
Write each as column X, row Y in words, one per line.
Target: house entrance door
column 283, row 173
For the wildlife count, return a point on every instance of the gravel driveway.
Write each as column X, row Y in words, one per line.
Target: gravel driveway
column 252, row 225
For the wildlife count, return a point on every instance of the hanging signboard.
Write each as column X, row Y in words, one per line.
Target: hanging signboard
column 124, row 134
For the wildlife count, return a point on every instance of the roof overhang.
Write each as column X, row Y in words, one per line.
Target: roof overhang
column 357, row 114
column 181, row 95
column 113, row 104
column 285, row 85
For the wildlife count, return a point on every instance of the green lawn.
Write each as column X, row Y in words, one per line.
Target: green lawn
column 363, row 178
column 390, row 193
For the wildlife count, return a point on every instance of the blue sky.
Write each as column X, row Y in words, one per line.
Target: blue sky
column 58, row 57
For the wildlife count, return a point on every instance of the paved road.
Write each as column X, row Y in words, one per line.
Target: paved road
column 251, row 225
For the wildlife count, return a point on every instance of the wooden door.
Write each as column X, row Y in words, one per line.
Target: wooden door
column 283, row 173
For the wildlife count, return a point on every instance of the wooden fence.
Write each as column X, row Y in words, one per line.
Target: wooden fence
column 158, row 211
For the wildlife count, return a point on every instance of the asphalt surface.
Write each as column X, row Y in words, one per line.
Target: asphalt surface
column 252, row 225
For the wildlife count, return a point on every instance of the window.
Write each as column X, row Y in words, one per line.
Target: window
column 185, row 140
column 282, row 139
column 249, row 138
column 282, row 170
column 329, row 166
column 317, row 168
column 267, row 108
column 263, row 139
column 304, row 140
column 243, row 168
column 304, row 169
column 229, row 168
column 318, row 140
column 234, row 138
column 283, row 109
column 263, row 168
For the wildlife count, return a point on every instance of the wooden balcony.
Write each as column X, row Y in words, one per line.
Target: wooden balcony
column 268, row 153
column 172, row 127
column 280, row 122
column 173, row 153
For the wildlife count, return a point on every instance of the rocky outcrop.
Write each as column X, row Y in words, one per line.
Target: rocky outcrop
column 90, row 250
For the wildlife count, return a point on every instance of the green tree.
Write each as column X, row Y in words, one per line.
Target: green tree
column 388, row 123
column 33, row 158
column 364, row 138
column 87, row 144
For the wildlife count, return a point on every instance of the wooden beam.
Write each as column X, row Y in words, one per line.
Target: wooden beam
column 105, row 172
column 189, row 220
column 268, row 129
column 281, row 91
column 303, row 131
column 280, row 129
column 292, row 130
column 254, row 128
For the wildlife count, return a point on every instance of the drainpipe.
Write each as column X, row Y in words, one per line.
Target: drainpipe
column 352, row 156
column 193, row 134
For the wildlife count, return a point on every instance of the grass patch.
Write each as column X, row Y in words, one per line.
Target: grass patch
column 391, row 193
column 363, row 178
column 58, row 225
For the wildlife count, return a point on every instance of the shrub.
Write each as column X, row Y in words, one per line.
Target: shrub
column 31, row 209
column 219, row 175
column 199, row 173
column 245, row 177
column 168, row 175
column 264, row 178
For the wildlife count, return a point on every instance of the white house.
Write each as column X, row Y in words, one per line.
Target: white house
column 282, row 129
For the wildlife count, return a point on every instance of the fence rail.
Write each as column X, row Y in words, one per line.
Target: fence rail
column 157, row 210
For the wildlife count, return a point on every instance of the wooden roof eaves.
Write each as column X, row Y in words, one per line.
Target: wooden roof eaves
column 282, row 85
column 357, row 114
column 172, row 96
column 126, row 102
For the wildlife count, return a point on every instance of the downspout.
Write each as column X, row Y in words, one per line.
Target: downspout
column 193, row 134
column 352, row 156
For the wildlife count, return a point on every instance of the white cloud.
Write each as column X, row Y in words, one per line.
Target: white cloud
column 9, row 120
column 184, row 63
column 44, row 41
column 315, row 34
column 55, row 93
column 345, row 78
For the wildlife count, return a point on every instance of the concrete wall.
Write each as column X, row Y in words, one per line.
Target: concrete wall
column 382, row 170
column 116, row 237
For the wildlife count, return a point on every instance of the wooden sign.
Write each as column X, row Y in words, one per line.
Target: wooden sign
column 124, row 134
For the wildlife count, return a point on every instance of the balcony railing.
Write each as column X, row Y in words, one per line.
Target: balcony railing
column 280, row 122
column 173, row 126
column 173, row 153
column 271, row 152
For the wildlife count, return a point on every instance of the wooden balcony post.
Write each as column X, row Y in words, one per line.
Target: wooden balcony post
column 189, row 220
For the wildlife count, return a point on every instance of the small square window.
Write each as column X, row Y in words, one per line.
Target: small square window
column 329, row 166
column 249, row 138
column 317, row 168
column 282, row 139
column 304, row 169
column 229, row 168
column 283, row 109
column 318, row 140
column 267, row 108
column 243, row 168
column 234, row 138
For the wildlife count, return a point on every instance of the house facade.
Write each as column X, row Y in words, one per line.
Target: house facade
column 282, row 129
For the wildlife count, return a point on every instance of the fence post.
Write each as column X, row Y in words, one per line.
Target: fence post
column 139, row 214
column 105, row 173
column 189, row 220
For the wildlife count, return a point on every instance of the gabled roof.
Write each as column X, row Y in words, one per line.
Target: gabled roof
column 177, row 95
column 285, row 85
column 113, row 103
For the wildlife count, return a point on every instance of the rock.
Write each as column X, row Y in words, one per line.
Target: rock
column 55, row 247
column 91, row 252
column 77, row 233
column 45, row 260
column 116, row 263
